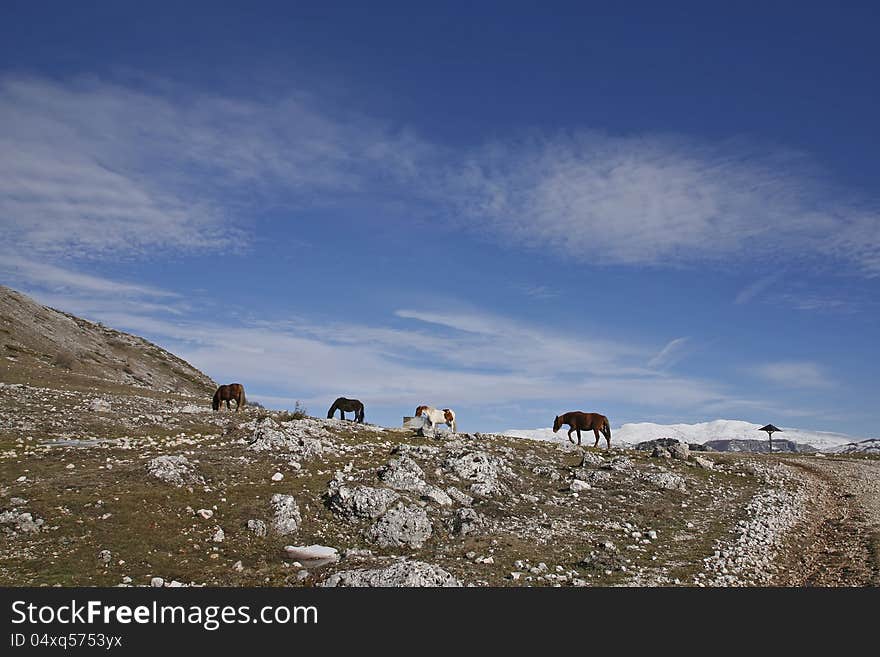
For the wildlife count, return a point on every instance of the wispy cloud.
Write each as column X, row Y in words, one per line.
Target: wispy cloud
column 755, row 289
column 59, row 278
column 96, row 169
column 539, row 291
column 665, row 201
column 795, row 374
column 497, row 362
column 672, row 352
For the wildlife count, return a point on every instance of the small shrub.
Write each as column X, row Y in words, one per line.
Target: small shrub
column 65, row 360
column 299, row 413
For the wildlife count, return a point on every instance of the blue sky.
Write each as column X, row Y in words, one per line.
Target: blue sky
column 665, row 214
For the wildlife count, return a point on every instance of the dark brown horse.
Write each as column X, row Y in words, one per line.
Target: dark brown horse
column 225, row 393
column 342, row 405
column 578, row 420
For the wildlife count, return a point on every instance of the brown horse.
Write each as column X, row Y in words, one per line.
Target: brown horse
column 342, row 405
column 225, row 393
column 578, row 420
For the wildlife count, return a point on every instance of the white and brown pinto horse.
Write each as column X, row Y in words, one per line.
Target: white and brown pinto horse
column 437, row 416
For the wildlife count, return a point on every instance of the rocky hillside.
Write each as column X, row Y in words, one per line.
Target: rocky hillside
column 107, row 478
column 762, row 446
column 40, row 345
column 121, row 489
column 869, row 446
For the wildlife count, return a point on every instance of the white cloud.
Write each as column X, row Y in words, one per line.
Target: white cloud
column 97, row 169
column 59, row 278
column 664, row 201
column 393, row 367
column 795, row 374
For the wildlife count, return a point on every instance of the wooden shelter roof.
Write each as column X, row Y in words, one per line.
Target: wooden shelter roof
column 770, row 428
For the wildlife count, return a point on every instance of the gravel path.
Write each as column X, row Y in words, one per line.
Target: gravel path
column 839, row 545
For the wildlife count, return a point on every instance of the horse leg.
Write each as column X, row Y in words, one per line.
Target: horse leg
column 569, row 435
column 579, row 436
column 596, row 431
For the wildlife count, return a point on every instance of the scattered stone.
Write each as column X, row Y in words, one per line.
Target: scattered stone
column 618, row 464
column 207, row 514
column 467, row 521
column 175, row 470
column 591, row 458
column 258, row 527
column 99, row 406
column 157, row 582
column 23, row 522
column 277, row 476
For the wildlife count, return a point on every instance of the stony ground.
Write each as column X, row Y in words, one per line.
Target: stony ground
column 112, row 486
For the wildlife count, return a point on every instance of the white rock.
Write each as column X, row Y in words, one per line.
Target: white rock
column 277, row 476
column 157, row 582
column 578, row 486
column 312, row 553
column 219, row 535
column 205, row 513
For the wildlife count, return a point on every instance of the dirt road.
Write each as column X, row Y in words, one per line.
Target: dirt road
column 840, row 543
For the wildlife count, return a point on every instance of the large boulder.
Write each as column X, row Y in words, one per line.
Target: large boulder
column 400, row 574
column 665, row 480
column 480, row 467
column 401, row 526
column 402, row 473
column 361, row 501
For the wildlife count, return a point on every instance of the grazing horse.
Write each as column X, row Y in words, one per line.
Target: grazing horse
column 342, row 405
column 579, row 420
column 225, row 393
column 437, row 416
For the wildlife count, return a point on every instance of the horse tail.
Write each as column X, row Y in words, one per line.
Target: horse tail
column 607, row 429
column 360, row 413
column 243, row 398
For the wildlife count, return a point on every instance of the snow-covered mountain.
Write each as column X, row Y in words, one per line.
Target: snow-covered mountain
column 869, row 446
column 636, row 432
